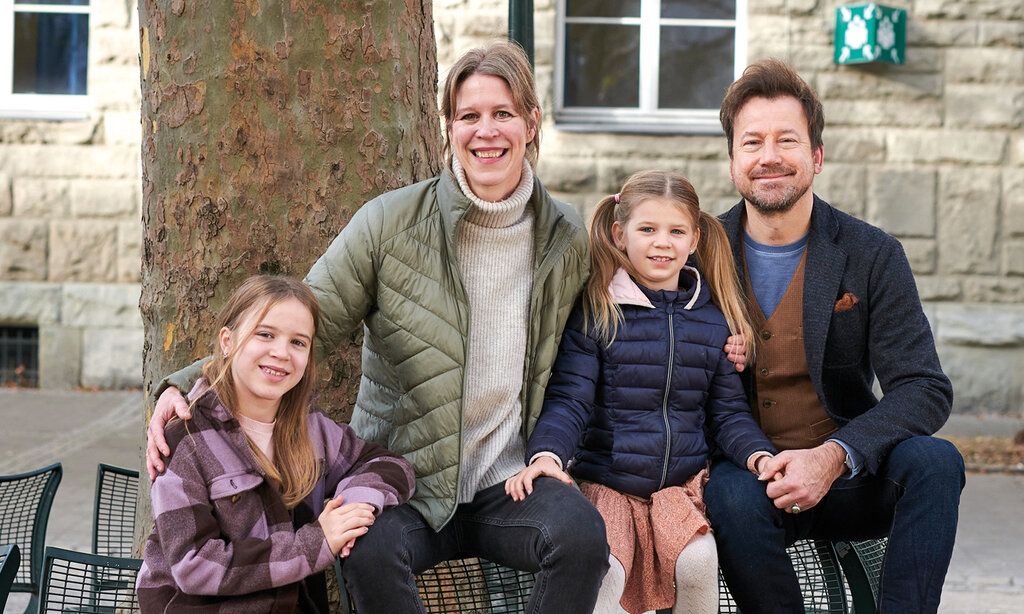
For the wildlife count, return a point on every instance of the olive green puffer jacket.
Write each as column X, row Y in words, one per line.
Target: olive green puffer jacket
column 393, row 268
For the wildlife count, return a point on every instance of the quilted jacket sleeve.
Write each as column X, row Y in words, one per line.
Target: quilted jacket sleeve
column 344, row 279
column 730, row 423
column 569, row 399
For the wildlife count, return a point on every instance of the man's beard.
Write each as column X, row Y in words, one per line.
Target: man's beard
column 773, row 202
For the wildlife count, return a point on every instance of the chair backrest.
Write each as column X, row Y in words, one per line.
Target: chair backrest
column 9, row 559
column 25, row 501
column 113, row 518
column 821, row 581
column 81, row 582
column 862, row 566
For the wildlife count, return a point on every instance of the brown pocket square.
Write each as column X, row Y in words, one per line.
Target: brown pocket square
column 845, row 303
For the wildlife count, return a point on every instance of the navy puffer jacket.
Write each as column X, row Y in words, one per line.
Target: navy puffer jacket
column 636, row 415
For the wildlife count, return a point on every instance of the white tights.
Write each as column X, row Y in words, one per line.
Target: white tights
column 696, row 580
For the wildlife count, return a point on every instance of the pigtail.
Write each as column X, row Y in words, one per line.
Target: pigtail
column 605, row 258
column 715, row 258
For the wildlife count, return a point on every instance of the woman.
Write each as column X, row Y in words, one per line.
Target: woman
column 463, row 284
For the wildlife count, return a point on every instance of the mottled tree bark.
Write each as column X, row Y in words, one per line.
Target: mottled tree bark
column 265, row 125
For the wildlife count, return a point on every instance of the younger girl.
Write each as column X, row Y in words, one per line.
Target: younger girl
column 640, row 385
column 241, row 523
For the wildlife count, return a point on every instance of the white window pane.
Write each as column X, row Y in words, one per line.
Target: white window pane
column 602, row 65
column 696, row 67
column 602, row 8
column 50, row 52
column 698, row 9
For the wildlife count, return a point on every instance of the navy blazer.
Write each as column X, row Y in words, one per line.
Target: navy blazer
column 863, row 318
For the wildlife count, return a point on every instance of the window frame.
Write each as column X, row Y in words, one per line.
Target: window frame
column 646, row 117
column 36, row 106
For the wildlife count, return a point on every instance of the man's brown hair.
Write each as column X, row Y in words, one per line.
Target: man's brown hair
column 772, row 79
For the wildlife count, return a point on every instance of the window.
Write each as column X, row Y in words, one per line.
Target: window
column 19, row 356
column 43, row 57
column 646, row 65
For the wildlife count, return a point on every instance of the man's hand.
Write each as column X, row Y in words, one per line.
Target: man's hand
column 343, row 524
column 169, row 404
column 520, row 485
column 806, row 475
column 736, row 351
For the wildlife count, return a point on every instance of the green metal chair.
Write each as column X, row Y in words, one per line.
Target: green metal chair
column 113, row 518
column 9, row 559
column 25, row 502
column 88, row 583
column 862, row 564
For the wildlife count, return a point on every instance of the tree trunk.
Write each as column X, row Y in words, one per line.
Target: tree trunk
column 265, row 125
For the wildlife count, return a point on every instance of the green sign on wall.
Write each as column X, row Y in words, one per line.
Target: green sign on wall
column 870, row 33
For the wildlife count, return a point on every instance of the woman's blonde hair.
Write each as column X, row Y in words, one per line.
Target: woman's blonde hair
column 714, row 256
column 508, row 62
column 295, row 465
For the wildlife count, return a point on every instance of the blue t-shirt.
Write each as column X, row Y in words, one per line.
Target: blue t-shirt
column 771, row 268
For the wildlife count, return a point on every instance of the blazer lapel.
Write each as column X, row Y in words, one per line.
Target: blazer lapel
column 826, row 263
column 732, row 221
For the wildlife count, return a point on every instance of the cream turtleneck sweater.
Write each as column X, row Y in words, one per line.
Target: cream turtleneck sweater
column 495, row 257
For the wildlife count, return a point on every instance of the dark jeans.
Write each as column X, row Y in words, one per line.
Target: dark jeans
column 555, row 532
column 913, row 500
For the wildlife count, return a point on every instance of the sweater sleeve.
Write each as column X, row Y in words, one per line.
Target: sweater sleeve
column 730, row 423
column 361, row 471
column 569, row 399
column 202, row 561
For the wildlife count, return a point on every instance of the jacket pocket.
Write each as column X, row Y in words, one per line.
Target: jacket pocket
column 232, row 485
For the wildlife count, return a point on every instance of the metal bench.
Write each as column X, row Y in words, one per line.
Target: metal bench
column 25, row 502
column 88, row 583
column 9, row 560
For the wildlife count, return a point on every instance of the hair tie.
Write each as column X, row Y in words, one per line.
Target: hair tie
column 616, row 197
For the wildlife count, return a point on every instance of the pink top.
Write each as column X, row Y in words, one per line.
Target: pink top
column 261, row 434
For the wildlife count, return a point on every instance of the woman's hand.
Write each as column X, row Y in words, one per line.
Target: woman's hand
column 520, row 485
column 736, row 351
column 342, row 524
column 169, row 404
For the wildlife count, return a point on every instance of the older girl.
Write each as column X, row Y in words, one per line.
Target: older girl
column 241, row 523
column 642, row 389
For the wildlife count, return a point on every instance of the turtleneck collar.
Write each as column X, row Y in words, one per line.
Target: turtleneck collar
column 499, row 214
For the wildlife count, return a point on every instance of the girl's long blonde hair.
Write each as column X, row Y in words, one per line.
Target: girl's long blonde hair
column 295, row 465
column 714, row 256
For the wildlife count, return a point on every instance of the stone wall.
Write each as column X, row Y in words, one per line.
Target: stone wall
column 932, row 151
column 70, row 234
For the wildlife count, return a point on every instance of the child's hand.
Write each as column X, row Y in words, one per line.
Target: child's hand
column 342, row 524
column 520, row 485
column 736, row 351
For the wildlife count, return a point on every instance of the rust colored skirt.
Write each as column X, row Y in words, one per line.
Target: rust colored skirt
column 646, row 537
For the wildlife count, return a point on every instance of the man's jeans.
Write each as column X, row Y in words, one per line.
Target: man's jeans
column 913, row 500
column 555, row 532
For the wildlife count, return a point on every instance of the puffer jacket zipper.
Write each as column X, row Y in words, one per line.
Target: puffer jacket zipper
column 664, row 400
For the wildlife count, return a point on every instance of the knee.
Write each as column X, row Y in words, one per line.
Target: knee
column 378, row 549
column 698, row 560
column 735, row 498
column 579, row 532
column 930, row 461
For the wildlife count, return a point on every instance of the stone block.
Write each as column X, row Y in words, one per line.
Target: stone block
column 111, row 14
column 112, row 357
column 29, row 302
column 855, row 145
column 101, row 305
column 940, row 33
column 921, row 255
column 842, row 185
column 129, row 252
column 83, row 251
column 1013, row 201
column 922, row 113
column 968, row 220
column 953, row 146
column 6, row 200
column 709, row 177
column 991, row 289
column 115, row 87
column 984, row 66
column 483, row 25
column 986, row 380
column 1001, row 34
column 23, row 249
column 981, row 325
column 105, row 198
column 985, row 106
column 977, row 9
column 119, row 46
column 932, row 288
column 568, row 175
column 65, row 132
column 612, row 173
column 60, row 357
column 1013, row 258
column 122, row 128
column 70, row 160
column 880, row 83
column 903, row 202
column 808, row 59
column 42, row 198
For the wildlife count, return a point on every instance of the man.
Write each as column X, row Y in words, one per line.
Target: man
column 834, row 304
